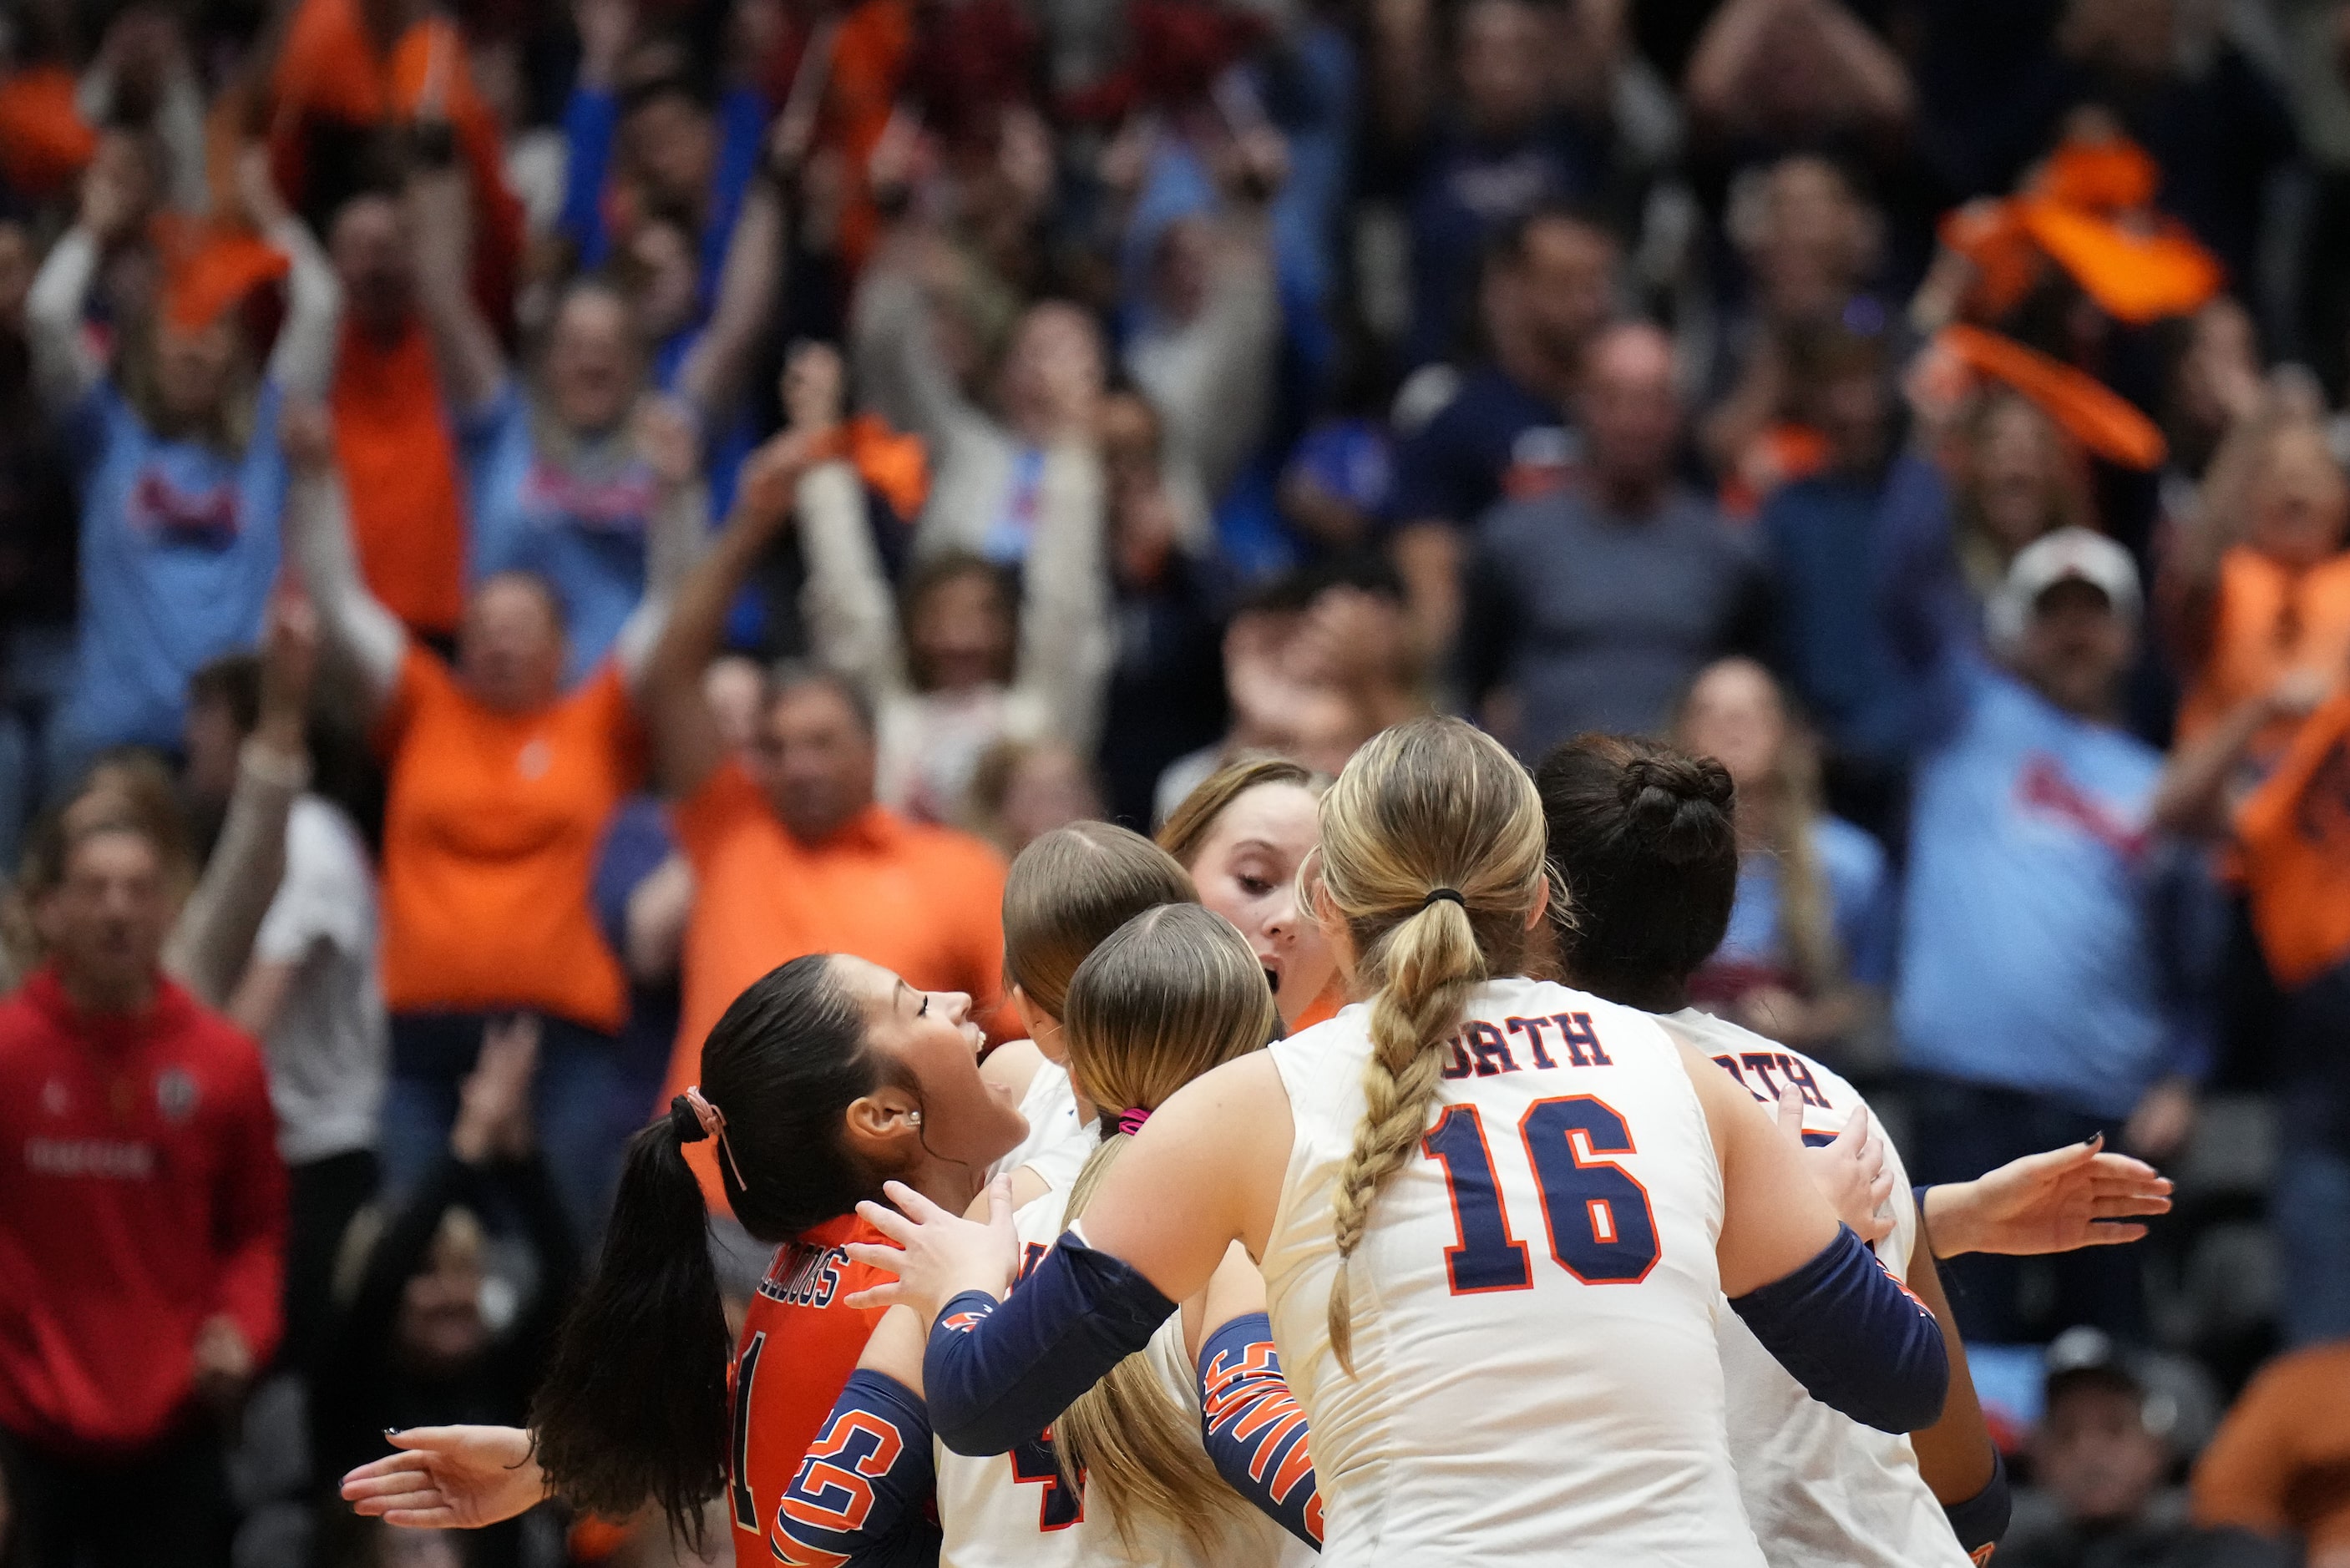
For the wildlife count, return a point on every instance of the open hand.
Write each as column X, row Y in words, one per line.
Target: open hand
column 224, row 1362
column 494, row 1102
column 1851, row 1172
column 449, row 1478
column 2069, row 1198
column 938, row 1254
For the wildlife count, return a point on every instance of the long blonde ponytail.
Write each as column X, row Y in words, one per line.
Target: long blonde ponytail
column 1433, row 852
column 1172, row 993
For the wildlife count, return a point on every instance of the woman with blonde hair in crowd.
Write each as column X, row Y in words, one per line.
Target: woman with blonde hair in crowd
column 1128, row 1474
column 1472, row 1398
column 1809, row 950
column 1244, row 833
column 2014, row 477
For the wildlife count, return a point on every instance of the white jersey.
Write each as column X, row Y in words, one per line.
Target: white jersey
column 1014, row 1511
column 1822, row 1490
column 1057, row 1142
column 1536, row 1380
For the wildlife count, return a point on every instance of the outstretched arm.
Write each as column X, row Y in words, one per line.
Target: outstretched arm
column 678, row 533
column 441, row 217
column 64, row 368
column 687, row 746
column 318, row 520
column 212, row 941
column 304, row 358
column 2059, row 1201
column 749, row 286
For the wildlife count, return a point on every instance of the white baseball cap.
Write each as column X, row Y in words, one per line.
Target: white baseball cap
column 2069, row 555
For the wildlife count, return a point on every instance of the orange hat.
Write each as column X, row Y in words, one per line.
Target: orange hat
column 211, row 271
column 43, row 141
column 2135, row 275
column 2083, row 407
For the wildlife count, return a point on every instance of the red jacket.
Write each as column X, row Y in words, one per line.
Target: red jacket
column 141, row 1193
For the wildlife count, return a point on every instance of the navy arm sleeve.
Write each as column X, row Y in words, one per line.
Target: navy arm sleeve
column 1253, row 1429
column 998, row 1374
column 1854, row 1336
column 1980, row 1520
column 862, row 1499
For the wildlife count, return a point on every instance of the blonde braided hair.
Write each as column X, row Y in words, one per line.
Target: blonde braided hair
column 1432, row 852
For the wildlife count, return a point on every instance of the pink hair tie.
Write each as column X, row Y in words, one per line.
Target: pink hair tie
column 1130, row 1120
column 712, row 1123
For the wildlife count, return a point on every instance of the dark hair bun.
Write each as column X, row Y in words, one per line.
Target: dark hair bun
column 683, row 1122
column 1678, row 806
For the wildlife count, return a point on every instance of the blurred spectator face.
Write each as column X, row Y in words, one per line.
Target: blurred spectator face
column 1183, row 267
column 1247, row 872
column 2130, row 37
column 1631, row 411
column 192, row 369
column 592, row 360
column 2093, row 1452
column 209, row 737
column 931, row 1037
column 1734, row 715
column 1565, row 285
column 813, row 760
column 16, row 264
column 2075, row 647
column 2017, row 472
column 961, row 629
column 369, row 246
column 2299, row 500
column 1054, row 359
column 1852, row 410
column 440, row 1327
column 673, row 148
column 1504, row 64
column 1129, row 439
column 406, row 1548
column 510, row 650
column 1050, row 787
column 1812, row 240
column 106, row 920
column 735, row 691
column 666, row 279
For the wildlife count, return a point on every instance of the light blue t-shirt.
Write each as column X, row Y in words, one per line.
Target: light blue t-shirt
column 1859, row 887
column 179, row 548
column 2027, row 953
column 580, row 524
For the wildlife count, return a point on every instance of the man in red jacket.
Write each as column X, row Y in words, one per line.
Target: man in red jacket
column 142, row 1227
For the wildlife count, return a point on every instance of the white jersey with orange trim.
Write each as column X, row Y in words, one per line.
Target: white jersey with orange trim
column 1535, row 1373
column 1014, row 1511
column 1821, row 1489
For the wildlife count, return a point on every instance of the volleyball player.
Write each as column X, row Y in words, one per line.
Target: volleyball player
column 1645, row 837
column 1123, row 1478
column 1495, row 1217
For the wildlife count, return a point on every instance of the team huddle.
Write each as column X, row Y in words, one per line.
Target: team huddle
column 1514, row 1258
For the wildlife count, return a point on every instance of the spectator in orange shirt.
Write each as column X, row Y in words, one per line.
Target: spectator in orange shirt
column 791, row 852
column 2257, row 584
column 2292, row 838
column 392, row 436
column 2274, row 1466
column 501, row 785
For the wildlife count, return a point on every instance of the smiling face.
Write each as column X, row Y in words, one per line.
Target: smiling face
column 933, row 1043
column 1247, row 872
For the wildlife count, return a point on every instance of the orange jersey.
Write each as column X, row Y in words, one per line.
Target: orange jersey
column 799, row 1345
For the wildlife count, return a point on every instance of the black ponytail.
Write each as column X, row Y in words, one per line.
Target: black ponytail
column 633, row 1406
column 1644, row 840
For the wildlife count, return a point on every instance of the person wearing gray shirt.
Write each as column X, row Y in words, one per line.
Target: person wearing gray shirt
column 1592, row 608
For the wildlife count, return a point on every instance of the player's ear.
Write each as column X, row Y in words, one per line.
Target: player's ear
column 1044, row 1029
column 884, row 1129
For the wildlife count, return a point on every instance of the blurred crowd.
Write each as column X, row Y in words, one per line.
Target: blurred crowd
column 515, row 519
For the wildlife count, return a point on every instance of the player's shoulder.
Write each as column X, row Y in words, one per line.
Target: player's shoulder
column 1762, row 1065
